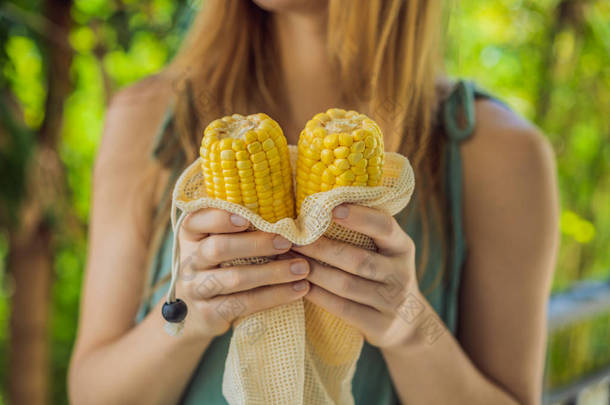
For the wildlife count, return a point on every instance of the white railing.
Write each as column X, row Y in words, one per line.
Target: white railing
column 583, row 301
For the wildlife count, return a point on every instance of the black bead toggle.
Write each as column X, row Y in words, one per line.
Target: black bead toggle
column 174, row 312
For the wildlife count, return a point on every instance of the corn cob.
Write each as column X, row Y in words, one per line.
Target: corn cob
column 245, row 161
column 338, row 148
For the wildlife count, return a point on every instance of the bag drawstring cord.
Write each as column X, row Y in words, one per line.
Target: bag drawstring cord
column 174, row 310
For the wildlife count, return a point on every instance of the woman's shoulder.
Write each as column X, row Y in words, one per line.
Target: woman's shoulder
column 133, row 118
column 135, row 112
column 502, row 141
column 508, row 176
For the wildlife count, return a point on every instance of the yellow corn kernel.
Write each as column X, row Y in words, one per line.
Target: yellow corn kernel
column 335, row 170
column 268, row 144
column 255, row 147
column 258, row 157
column 335, row 113
column 359, row 170
column 368, row 153
column 262, row 135
column 244, row 164
column 322, row 117
column 358, row 147
column 346, row 178
column 260, row 165
column 238, row 145
column 268, row 125
column 244, row 160
column 327, row 156
column 230, row 173
column 242, row 155
column 228, row 164
column 312, row 124
column 370, row 142
column 341, row 152
column 345, row 139
column 354, row 158
column 360, row 134
column 375, row 161
column 261, row 173
column 318, row 168
column 331, row 141
column 374, row 171
column 216, row 124
column 232, row 187
column 338, row 148
column 311, row 153
column 273, row 153
column 224, row 144
column 247, row 185
column 328, row 177
column 342, row 164
column 250, row 137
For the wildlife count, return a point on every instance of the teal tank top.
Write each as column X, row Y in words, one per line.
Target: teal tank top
column 372, row 383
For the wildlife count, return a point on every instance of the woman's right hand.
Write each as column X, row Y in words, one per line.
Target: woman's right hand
column 215, row 295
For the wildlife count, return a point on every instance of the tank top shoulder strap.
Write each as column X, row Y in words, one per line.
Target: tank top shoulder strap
column 462, row 99
column 166, row 140
column 162, row 130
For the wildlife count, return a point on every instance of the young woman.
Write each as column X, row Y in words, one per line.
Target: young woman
column 470, row 259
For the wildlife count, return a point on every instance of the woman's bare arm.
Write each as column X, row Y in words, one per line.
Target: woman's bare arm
column 510, row 220
column 113, row 361
column 511, row 211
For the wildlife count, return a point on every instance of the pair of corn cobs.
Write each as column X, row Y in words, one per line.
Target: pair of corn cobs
column 245, row 159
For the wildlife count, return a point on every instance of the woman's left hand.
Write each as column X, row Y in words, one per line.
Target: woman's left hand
column 367, row 289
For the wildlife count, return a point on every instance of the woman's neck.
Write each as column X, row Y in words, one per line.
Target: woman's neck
column 308, row 79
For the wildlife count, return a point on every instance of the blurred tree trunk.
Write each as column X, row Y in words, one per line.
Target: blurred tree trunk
column 567, row 14
column 31, row 254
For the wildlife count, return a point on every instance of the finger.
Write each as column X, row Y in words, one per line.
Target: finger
column 251, row 301
column 199, row 224
column 352, row 287
column 216, row 249
column 358, row 315
column 289, row 255
column 352, row 259
column 381, row 227
column 234, row 279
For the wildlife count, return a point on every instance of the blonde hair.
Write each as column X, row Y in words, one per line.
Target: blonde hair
column 387, row 56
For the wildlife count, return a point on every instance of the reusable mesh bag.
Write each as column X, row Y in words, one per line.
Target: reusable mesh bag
column 297, row 353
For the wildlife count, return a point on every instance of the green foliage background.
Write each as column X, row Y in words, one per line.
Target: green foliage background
column 547, row 60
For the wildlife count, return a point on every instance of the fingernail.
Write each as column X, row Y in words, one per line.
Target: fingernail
column 281, row 243
column 300, row 285
column 237, row 220
column 341, row 212
column 298, row 267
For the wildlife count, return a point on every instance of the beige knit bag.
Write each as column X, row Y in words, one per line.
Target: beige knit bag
column 295, row 354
